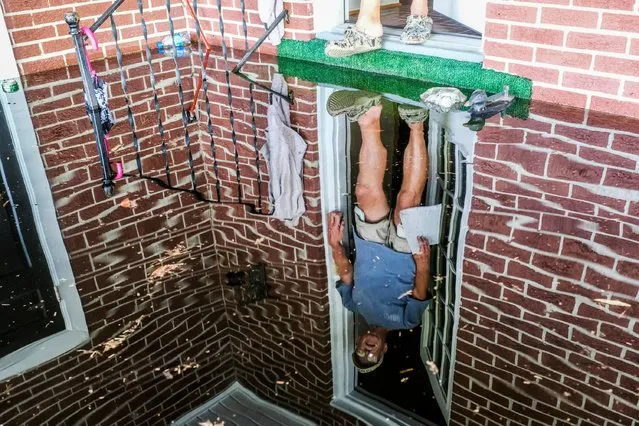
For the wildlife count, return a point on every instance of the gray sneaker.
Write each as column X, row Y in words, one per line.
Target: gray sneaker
column 443, row 99
column 417, row 29
column 412, row 114
column 352, row 103
column 355, row 41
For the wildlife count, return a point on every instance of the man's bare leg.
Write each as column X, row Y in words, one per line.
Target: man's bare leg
column 369, row 19
column 369, row 191
column 415, row 171
column 419, row 7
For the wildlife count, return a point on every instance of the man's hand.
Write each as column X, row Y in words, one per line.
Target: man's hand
column 422, row 266
column 335, row 229
column 422, row 259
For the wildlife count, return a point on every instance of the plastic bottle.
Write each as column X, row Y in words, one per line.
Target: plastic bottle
column 180, row 41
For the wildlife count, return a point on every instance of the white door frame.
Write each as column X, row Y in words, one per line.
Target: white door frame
column 334, row 185
column 37, row 185
column 329, row 24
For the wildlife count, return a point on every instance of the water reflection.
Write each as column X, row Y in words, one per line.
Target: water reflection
column 531, row 304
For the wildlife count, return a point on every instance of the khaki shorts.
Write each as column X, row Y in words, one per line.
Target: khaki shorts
column 382, row 232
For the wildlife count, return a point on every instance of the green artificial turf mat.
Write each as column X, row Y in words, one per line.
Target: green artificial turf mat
column 379, row 83
column 438, row 71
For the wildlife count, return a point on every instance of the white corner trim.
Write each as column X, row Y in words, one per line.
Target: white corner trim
column 328, row 14
column 9, row 69
column 37, row 185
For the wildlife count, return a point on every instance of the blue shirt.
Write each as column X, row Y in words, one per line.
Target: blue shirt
column 382, row 277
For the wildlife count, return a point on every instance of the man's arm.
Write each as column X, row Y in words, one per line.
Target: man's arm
column 335, row 234
column 422, row 269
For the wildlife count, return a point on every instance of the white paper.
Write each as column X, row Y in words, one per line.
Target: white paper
column 423, row 221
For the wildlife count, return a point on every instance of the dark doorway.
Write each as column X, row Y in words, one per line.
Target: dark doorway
column 402, row 381
column 29, row 307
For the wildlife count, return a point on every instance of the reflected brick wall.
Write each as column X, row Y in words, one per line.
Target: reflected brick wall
column 548, row 328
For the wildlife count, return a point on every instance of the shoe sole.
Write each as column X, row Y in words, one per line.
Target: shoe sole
column 345, row 54
column 415, row 42
column 359, row 102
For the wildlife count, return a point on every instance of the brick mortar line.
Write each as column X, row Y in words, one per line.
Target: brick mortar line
column 563, row 68
column 616, row 276
column 627, row 194
column 562, row 48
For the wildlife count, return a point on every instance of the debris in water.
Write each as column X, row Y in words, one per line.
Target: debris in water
column 260, row 240
column 432, row 367
column 169, row 373
column 280, row 382
column 163, row 270
column 404, row 379
column 116, row 341
column 406, row 370
column 611, row 302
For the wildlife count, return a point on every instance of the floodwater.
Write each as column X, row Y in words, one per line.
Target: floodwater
column 521, row 308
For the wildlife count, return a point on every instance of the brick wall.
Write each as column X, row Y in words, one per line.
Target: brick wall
column 583, row 53
column 40, row 35
column 548, row 328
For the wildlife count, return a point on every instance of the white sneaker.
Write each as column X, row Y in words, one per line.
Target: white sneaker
column 417, row 29
column 355, row 41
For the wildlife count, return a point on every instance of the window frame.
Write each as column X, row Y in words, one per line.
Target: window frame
column 36, row 183
column 450, row 125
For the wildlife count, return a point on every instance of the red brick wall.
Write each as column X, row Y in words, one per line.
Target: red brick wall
column 40, row 35
column 583, row 53
column 552, row 237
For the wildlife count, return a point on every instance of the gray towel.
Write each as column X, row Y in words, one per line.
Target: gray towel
column 284, row 153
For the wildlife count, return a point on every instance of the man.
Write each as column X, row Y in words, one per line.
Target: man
column 387, row 285
column 366, row 35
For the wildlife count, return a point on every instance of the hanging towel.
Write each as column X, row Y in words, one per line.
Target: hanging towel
column 269, row 10
column 284, row 153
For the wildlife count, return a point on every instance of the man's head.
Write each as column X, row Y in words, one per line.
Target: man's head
column 370, row 348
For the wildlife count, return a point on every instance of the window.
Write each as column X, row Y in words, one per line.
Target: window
column 37, row 289
column 439, row 325
column 28, row 304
